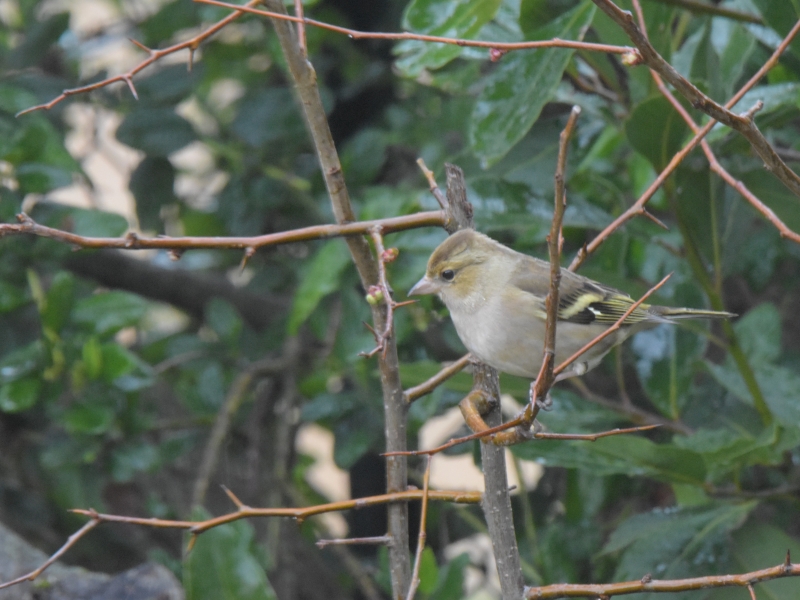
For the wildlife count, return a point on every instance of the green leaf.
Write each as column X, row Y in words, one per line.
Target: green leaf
column 656, row 130
column 735, row 45
column 97, row 223
column 58, row 301
column 520, row 87
column 169, row 85
column 781, row 16
column 38, row 41
column 11, row 297
column 428, row 571
column 774, row 96
column 725, row 451
column 223, row 318
column 129, row 460
column 322, row 277
column 269, row 115
column 223, row 564
column 778, row 384
column 759, row 333
column 109, row 312
column 89, row 418
column 117, row 361
column 675, row 543
column 39, row 178
column 152, row 184
column 440, row 18
column 19, row 395
column 158, row 132
column 666, row 365
column 21, row 362
column 759, row 546
column 622, row 454
column 92, row 356
column 450, row 583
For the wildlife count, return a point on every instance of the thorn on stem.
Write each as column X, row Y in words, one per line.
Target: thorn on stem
column 751, row 113
column 249, row 253
column 654, row 219
column 140, row 45
column 131, row 87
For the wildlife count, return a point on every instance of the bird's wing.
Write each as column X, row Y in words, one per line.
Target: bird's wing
column 581, row 300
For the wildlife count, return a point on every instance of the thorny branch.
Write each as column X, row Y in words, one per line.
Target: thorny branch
column 395, row 423
column 133, row 241
column 714, row 164
column 406, row 35
column 744, row 123
column 647, row 584
column 638, row 207
column 243, row 512
column 191, row 44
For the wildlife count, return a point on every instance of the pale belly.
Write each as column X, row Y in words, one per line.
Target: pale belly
column 514, row 343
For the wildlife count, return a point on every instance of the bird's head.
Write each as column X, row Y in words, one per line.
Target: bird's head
column 461, row 269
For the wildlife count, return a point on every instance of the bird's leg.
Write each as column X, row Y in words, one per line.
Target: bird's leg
column 474, row 405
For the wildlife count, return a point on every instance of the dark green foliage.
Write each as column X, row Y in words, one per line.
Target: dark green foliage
column 107, row 395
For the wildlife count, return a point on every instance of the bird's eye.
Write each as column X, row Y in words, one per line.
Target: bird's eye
column 448, row 274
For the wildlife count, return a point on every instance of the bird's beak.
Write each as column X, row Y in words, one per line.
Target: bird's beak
column 424, row 286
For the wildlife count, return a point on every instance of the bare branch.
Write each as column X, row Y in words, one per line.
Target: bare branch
column 745, row 126
column 380, row 540
column 638, row 207
column 363, row 35
column 153, row 56
column 576, row 590
column 133, row 241
column 431, row 384
column 412, row 589
column 71, row 541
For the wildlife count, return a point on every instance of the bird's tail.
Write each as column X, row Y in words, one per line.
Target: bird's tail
column 689, row 313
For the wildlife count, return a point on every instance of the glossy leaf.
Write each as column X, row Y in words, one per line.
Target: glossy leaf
column 158, row 132
column 19, row 395
column 520, row 87
column 322, row 278
column 626, row 454
column 223, row 565
column 440, row 18
column 656, row 130
column 675, row 543
column 109, row 312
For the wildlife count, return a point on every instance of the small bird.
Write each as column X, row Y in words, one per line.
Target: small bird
column 496, row 297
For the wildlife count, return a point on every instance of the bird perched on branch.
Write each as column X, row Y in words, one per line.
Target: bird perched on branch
column 496, row 297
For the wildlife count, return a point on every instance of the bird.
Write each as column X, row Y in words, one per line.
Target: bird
column 496, row 298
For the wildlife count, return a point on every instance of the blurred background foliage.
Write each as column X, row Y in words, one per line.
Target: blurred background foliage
column 114, row 366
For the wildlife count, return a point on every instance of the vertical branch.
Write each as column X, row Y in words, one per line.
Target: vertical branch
column 540, row 387
column 423, row 536
column 394, row 403
column 555, row 240
column 496, row 502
